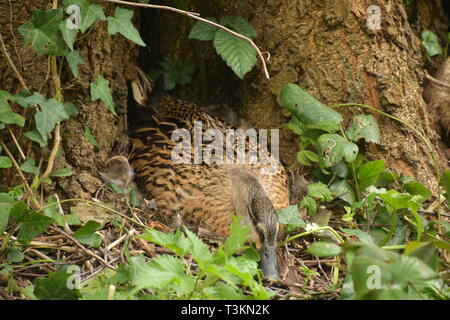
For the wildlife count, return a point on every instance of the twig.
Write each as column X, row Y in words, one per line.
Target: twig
column 83, row 248
column 17, row 144
column 196, row 16
column 11, row 64
column 436, row 81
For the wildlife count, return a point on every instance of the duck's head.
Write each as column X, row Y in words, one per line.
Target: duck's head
column 251, row 202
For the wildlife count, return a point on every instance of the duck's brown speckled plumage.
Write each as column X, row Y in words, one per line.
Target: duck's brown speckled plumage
column 205, row 195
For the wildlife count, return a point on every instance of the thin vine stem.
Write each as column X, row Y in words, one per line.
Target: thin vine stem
column 421, row 136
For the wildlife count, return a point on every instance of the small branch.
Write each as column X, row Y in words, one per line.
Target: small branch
column 196, row 16
column 436, row 81
column 17, row 144
column 11, row 64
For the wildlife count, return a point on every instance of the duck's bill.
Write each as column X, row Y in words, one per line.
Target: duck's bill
column 269, row 263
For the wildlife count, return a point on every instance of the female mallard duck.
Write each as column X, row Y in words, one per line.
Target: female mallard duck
column 204, row 195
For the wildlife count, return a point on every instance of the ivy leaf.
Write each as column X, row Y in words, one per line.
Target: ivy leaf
column 203, row 31
column 89, row 12
column 5, row 162
column 43, row 32
column 324, row 249
column 46, row 119
column 368, row 173
column 100, row 90
column 290, row 217
column 431, row 43
column 305, row 107
column 31, row 223
column 366, row 127
column 334, row 148
column 26, row 100
column 55, row 287
column 122, row 23
column 7, row 116
column 6, row 204
column 29, row 166
column 239, row 55
column 73, row 60
column 239, row 24
column 90, row 138
column 36, row 137
column 69, row 35
column 86, row 234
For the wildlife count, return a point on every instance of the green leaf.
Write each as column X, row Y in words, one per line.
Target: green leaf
column 416, row 188
column 176, row 73
column 324, row 249
column 73, row 60
column 90, row 138
column 35, row 136
column 365, row 127
column 176, row 241
column 239, row 55
column 368, row 173
column 43, row 32
column 5, row 162
column 6, row 204
column 309, row 203
column 305, row 107
column 364, row 237
column 63, row 172
column 334, row 148
column 26, row 100
column 445, row 183
column 343, row 190
column 29, row 166
column 296, row 126
column 122, row 23
column 51, row 112
column 290, row 216
column 431, row 43
column 203, row 31
column 198, row 249
column 319, row 191
column 239, row 24
column 10, row 117
column 32, row 224
column 89, row 12
column 55, row 287
column 15, row 255
column 100, row 90
column 306, row 157
column 238, row 235
column 86, row 234
column 69, row 35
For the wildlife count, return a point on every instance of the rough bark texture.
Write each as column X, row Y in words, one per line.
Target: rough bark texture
column 326, row 48
column 109, row 56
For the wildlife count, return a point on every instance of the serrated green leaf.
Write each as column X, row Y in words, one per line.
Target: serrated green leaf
column 319, row 191
column 5, row 162
column 73, row 60
column 173, row 241
column 176, row 73
column 240, row 25
column 296, row 126
column 239, row 55
column 238, row 235
column 121, row 22
column 43, row 32
column 306, row 157
column 431, row 43
column 324, row 249
column 368, row 173
column 305, row 107
column 198, row 249
column 364, row 127
column 55, row 287
column 334, row 148
column 29, row 166
column 36, row 137
column 89, row 12
column 309, row 203
column 90, row 138
column 203, row 31
column 100, row 90
column 86, row 234
column 290, row 216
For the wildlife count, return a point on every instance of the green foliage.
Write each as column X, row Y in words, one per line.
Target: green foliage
column 431, row 44
column 89, row 12
column 173, row 73
column 100, row 90
column 290, row 216
column 239, row 54
column 55, row 287
column 324, row 249
column 90, row 138
column 86, row 234
column 121, row 23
